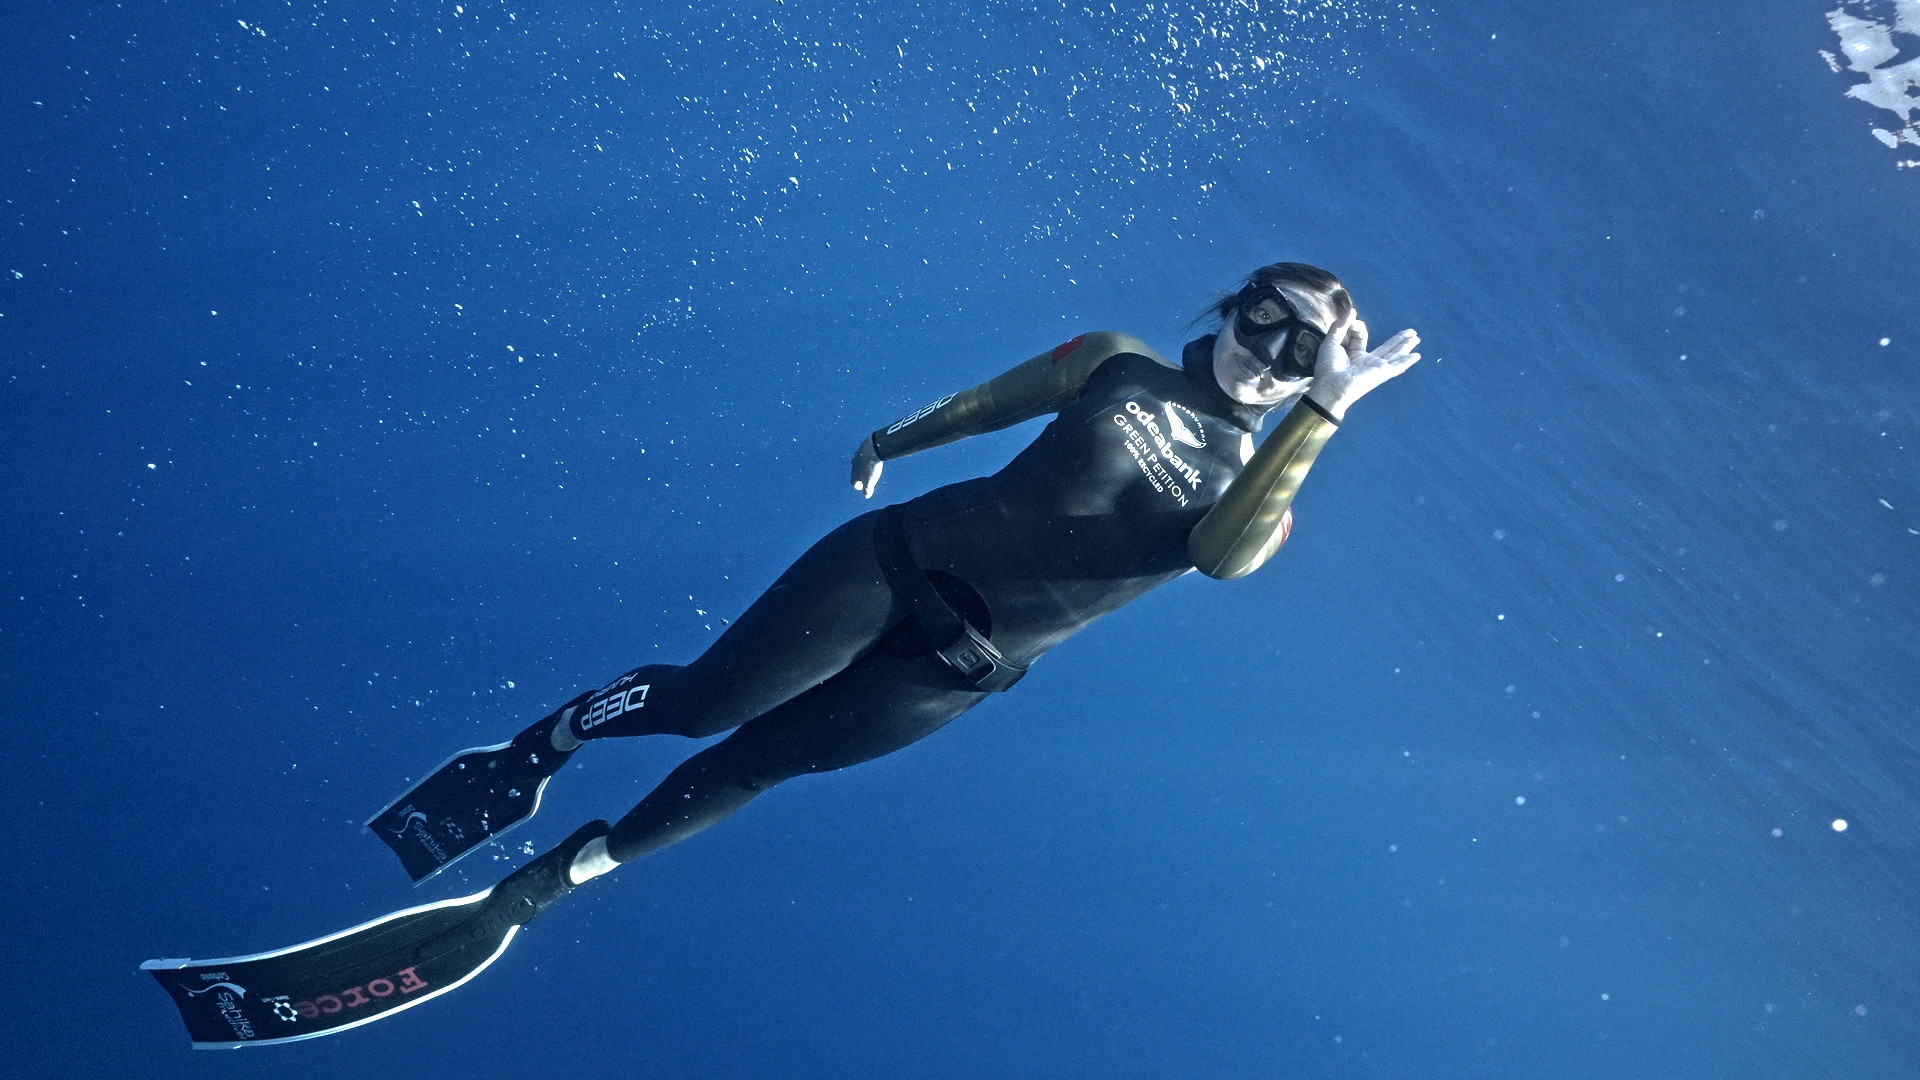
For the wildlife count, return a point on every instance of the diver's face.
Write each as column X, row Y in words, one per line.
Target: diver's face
column 1243, row 377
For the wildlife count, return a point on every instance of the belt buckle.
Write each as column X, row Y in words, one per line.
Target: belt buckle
column 979, row 662
column 966, row 657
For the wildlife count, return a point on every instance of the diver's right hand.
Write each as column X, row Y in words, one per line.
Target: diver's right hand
column 866, row 467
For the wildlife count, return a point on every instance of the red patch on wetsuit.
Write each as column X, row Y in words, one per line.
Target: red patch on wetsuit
column 1063, row 349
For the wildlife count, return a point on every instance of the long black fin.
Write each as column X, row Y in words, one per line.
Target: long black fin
column 371, row 971
column 330, row 984
column 475, row 796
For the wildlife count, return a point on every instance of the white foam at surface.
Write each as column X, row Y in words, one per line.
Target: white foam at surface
column 1869, row 48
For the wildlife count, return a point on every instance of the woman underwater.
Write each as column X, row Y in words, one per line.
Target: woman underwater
column 1146, row 472
column 897, row 621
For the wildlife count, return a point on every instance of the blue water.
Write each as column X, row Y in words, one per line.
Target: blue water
column 379, row 376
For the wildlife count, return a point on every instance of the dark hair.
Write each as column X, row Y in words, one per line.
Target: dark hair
column 1301, row 276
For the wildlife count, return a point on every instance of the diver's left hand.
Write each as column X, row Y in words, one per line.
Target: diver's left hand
column 1345, row 371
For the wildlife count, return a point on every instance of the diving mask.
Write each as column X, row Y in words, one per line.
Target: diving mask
column 1273, row 331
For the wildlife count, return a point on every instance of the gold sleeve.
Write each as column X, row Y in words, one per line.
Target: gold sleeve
column 1242, row 530
column 1037, row 387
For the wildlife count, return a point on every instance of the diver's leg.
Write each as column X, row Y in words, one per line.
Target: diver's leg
column 877, row 706
column 829, row 607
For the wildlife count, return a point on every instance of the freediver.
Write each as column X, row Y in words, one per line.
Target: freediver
column 893, row 624
column 905, row 617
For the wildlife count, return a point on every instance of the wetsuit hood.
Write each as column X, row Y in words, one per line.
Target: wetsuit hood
column 1197, row 359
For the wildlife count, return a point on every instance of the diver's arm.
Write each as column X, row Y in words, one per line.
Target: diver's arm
column 1248, row 524
column 1039, row 386
column 1244, row 529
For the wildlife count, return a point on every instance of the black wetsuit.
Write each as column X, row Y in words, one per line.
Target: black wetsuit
column 827, row 670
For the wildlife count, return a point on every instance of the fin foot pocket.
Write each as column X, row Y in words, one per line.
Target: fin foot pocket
column 521, row 896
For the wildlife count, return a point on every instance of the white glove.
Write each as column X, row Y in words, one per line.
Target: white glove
column 866, row 467
column 1344, row 371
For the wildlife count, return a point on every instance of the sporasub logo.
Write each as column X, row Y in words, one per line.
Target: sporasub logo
column 403, row 982
column 614, row 700
column 1156, row 454
column 415, row 822
column 226, row 1001
column 920, row 413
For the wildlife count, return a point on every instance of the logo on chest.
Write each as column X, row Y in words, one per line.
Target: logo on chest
column 1189, row 430
column 1155, row 440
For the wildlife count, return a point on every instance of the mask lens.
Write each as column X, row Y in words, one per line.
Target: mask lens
column 1303, row 351
column 1264, row 316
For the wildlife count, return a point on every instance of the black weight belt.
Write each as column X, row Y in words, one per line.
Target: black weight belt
column 963, row 647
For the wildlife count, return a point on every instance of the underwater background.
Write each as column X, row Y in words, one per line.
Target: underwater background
column 379, row 376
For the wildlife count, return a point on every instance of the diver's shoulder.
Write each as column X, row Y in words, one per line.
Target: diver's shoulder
column 1114, row 343
column 1092, row 350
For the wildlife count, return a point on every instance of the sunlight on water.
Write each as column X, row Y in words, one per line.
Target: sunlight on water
column 1870, row 48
